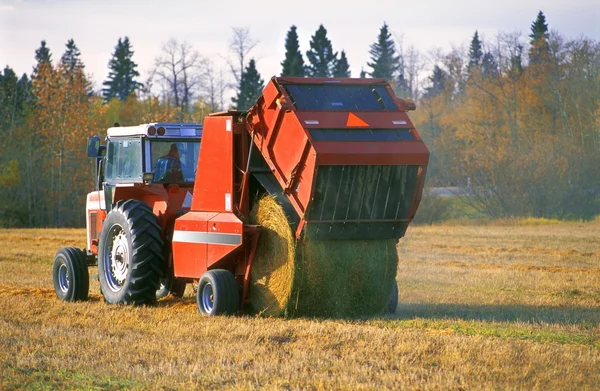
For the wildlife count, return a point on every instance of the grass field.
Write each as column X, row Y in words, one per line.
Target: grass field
column 501, row 306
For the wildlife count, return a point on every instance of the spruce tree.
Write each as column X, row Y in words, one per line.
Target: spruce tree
column 516, row 63
column 342, row 68
column 475, row 53
column 293, row 65
column 121, row 78
column 43, row 58
column 489, row 66
column 438, row 83
column 321, row 58
column 385, row 62
column 251, row 86
column 540, row 49
column 71, row 59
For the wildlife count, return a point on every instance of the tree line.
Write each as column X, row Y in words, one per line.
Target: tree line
column 515, row 119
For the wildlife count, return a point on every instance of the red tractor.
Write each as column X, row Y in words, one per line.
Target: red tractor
column 172, row 200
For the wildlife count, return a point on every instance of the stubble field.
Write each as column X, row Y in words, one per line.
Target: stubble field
column 501, row 306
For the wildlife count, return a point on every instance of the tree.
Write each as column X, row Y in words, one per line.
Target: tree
column 475, row 54
column 241, row 44
column 438, row 83
column 250, row 88
column 385, row 62
column 43, row 59
column 342, row 68
column 489, row 66
column 293, row 64
column 121, row 78
column 321, row 58
column 539, row 50
column 71, row 58
column 179, row 69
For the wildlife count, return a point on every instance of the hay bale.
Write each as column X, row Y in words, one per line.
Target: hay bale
column 324, row 278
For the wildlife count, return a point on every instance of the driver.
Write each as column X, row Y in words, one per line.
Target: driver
column 168, row 167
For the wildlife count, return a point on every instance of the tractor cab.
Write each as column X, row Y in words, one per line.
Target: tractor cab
column 163, row 153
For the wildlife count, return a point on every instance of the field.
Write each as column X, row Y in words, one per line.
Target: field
column 499, row 306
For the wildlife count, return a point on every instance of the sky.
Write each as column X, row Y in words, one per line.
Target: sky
column 353, row 26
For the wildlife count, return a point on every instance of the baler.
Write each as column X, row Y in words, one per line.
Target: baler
column 172, row 200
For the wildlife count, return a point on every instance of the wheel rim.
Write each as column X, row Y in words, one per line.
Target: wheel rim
column 116, row 258
column 208, row 298
column 64, row 281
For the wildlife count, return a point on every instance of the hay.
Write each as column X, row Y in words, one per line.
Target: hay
column 324, row 278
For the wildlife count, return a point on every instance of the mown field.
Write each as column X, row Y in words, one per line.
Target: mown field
column 501, row 306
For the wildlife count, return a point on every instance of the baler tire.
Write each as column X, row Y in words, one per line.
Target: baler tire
column 393, row 302
column 70, row 275
column 178, row 287
column 218, row 293
column 170, row 286
column 130, row 273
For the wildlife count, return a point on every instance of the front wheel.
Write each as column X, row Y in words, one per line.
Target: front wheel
column 70, row 274
column 130, row 254
column 218, row 293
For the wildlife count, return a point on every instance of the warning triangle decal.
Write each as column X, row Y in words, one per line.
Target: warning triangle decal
column 353, row 120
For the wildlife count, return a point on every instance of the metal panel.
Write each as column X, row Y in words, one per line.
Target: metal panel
column 341, row 97
column 364, row 197
column 361, row 134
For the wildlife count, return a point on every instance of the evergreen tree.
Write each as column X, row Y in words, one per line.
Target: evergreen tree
column 540, row 48
column 43, row 58
column 438, row 83
column 342, row 68
column 489, row 66
column 293, row 65
column 363, row 73
column 321, row 58
column 516, row 63
column 384, row 60
column 475, row 53
column 14, row 95
column 121, row 78
column 71, row 59
column 251, row 86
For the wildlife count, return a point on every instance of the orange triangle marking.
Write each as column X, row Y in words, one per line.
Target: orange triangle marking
column 353, row 120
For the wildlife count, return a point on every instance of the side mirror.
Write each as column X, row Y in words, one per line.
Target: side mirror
column 93, row 147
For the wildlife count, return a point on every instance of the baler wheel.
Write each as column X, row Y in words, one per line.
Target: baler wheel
column 393, row 303
column 70, row 274
column 171, row 286
column 218, row 293
column 130, row 254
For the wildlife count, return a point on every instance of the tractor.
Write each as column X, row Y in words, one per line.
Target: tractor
column 172, row 201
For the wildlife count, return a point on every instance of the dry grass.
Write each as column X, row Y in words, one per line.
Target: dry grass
column 486, row 307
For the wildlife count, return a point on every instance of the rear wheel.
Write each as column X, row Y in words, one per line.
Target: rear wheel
column 70, row 274
column 218, row 293
column 130, row 254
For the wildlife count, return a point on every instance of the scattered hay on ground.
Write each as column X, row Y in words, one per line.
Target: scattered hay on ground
column 324, row 278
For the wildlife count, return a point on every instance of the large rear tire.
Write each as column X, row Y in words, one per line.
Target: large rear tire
column 218, row 293
column 70, row 275
column 130, row 254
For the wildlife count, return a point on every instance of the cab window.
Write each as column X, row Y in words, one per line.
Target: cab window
column 124, row 160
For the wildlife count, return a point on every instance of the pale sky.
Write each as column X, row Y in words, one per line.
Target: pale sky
column 352, row 26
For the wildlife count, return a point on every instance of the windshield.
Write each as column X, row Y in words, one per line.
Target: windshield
column 124, row 160
column 174, row 161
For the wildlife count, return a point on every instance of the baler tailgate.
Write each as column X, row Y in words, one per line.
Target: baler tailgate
column 345, row 154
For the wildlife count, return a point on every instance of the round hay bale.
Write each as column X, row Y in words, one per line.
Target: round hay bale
column 323, row 278
column 272, row 273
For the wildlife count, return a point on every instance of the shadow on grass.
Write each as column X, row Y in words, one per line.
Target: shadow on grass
column 589, row 316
